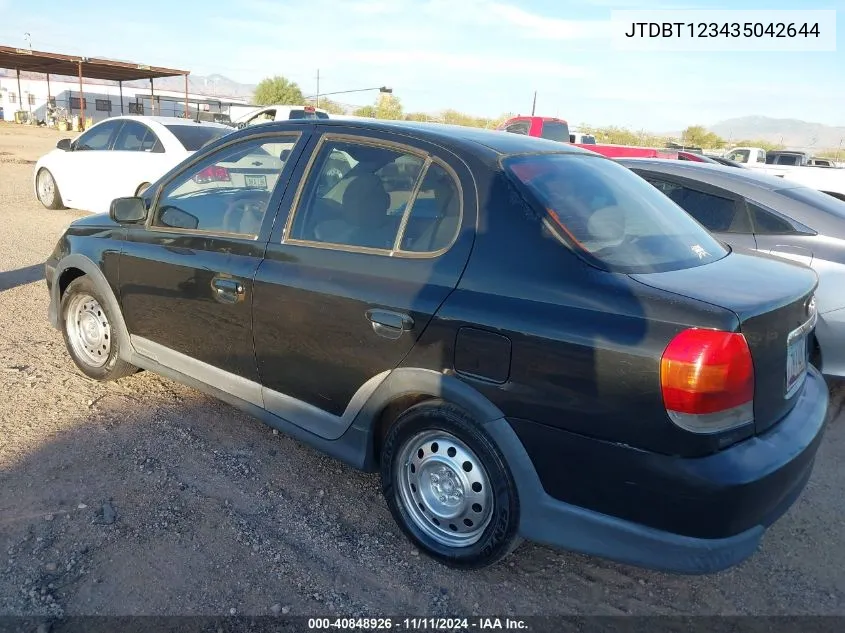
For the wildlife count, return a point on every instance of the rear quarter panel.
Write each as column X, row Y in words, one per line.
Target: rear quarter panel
column 585, row 344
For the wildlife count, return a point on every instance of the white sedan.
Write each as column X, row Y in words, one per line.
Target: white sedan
column 117, row 157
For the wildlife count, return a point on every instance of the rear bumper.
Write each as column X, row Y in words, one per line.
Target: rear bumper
column 686, row 515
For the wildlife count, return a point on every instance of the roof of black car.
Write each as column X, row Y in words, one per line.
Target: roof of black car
column 710, row 173
column 453, row 135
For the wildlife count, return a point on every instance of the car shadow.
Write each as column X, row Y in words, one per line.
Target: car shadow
column 21, row 276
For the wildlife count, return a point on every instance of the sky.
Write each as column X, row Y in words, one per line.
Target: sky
column 483, row 57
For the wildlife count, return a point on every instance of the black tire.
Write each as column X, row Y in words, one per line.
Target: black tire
column 140, row 190
column 499, row 538
column 110, row 366
column 48, row 194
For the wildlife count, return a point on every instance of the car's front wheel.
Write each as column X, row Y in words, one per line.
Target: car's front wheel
column 449, row 487
column 48, row 190
column 93, row 344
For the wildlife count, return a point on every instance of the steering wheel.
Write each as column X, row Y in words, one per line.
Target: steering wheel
column 245, row 213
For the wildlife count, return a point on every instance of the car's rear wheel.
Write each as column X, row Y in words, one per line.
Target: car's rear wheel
column 48, row 190
column 92, row 342
column 448, row 486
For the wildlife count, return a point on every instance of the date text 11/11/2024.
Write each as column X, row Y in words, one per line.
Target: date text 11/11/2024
column 723, row 30
column 417, row 624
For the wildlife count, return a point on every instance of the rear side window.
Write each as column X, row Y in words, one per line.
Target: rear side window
column 303, row 114
column 717, row 214
column 555, row 131
column 612, row 216
column 193, row 137
column 766, row 223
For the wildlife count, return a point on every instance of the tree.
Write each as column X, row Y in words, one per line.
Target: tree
column 277, row 90
column 366, row 111
column 388, row 107
column 699, row 136
column 332, row 107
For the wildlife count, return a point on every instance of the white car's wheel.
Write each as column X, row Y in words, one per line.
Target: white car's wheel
column 48, row 190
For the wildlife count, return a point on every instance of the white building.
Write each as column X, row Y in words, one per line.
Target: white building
column 103, row 99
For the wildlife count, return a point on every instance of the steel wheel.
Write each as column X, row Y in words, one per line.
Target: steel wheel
column 88, row 329
column 445, row 488
column 47, row 190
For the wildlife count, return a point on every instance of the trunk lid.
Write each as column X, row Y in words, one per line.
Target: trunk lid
column 772, row 299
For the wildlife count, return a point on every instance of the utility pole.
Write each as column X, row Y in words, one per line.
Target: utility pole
column 318, row 89
column 534, row 104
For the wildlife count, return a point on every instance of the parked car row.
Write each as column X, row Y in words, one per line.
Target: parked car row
column 524, row 338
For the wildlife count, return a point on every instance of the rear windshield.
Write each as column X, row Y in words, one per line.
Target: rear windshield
column 612, row 216
column 302, row 114
column 555, row 131
column 194, row 137
column 817, row 199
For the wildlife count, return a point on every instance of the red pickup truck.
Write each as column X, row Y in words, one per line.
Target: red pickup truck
column 558, row 130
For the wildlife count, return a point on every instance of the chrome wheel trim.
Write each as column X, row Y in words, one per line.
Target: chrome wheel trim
column 88, row 329
column 444, row 488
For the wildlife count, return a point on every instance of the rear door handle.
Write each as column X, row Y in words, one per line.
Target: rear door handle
column 227, row 290
column 389, row 324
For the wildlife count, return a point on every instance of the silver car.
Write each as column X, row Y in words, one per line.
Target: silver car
column 755, row 211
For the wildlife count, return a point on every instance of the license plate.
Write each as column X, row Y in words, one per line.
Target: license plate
column 796, row 363
column 256, row 181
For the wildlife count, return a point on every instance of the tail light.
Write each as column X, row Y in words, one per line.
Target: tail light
column 212, row 174
column 707, row 380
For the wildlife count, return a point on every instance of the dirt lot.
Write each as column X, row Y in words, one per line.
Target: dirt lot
column 146, row 497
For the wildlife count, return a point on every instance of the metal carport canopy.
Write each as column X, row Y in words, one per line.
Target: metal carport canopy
column 28, row 60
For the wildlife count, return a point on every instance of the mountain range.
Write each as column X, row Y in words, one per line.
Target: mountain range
column 792, row 133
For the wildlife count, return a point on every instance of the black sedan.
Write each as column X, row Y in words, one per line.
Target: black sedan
column 755, row 211
column 525, row 339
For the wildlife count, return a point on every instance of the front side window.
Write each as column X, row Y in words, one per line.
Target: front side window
column 613, row 217
column 555, row 131
column 227, row 192
column 381, row 192
column 262, row 117
column 98, row 138
column 740, row 155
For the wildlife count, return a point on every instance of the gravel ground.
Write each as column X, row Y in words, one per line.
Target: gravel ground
column 147, row 497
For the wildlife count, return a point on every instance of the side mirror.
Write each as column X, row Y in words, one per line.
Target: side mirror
column 128, row 210
column 175, row 218
column 64, row 145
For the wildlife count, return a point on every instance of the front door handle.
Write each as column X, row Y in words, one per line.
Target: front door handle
column 227, row 290
column 389, row 324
